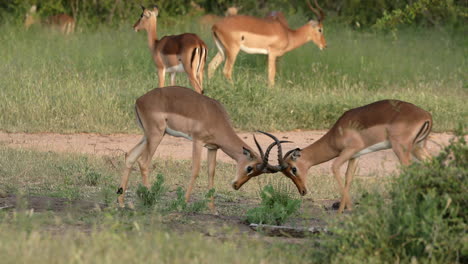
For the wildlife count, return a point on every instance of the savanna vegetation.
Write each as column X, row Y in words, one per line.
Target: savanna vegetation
column 88, row 82
column 412, row 50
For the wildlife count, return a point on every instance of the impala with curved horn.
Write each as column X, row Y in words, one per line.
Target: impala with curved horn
column 181, row 112
column 172, row 54
column 386, row 124
column 267, row 36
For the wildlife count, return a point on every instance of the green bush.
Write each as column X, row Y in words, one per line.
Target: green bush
column 425, row 219
column 150, row 197
column 154, row 198
column 180, row 205
column 276, row 207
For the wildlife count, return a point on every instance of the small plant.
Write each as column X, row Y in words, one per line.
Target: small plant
column 149, row 197
column 276, row 207
column 92, row 178
column 180, row 205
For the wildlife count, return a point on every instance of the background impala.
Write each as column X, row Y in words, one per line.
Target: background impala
column 64, row 23
column 172, row 54
column 267, row 36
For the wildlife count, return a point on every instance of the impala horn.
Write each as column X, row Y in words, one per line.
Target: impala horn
column 320, row 14
column 281, row 163
column 265, row 167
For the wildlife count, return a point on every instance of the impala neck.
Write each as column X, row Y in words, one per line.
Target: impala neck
column 298, row 37
column 232, row 146
column 152, row 34
column 319, row 152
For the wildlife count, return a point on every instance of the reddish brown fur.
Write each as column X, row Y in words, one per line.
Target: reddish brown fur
column 404, row 125
column 204, row 120
column 260, row 36
column 64, row 23
column 185, row 50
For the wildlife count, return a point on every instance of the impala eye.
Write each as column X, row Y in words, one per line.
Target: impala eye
column 294, row 170
column 320, row 30
column 249, row 169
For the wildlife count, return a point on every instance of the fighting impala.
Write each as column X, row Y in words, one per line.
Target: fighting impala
column 181, row 112
column 179, row 53
column 267, row 36
column 386, row 124
column 64, row 23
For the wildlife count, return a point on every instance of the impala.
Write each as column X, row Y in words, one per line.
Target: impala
column 261, row 36
column 179, row 53
column 386, row 124
column 64, row 23
column 181, row 112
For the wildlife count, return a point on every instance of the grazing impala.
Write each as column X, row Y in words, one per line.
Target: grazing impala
column 64, row 23
column 179, row 53
column 386, row 124
column 181, row 112
column 261, row 36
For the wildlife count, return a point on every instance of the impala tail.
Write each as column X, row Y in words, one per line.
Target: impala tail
column 423, row 132
column 198, row 59
column 197, row 64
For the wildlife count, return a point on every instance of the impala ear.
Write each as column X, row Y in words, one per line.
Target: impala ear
column 248, row 154
column 156, row 10
column 293, row 154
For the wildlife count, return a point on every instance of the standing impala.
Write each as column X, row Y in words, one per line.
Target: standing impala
column 172, row 54
column 181, row 112
column 386, row 124
column 262, row 36
column 64, row 23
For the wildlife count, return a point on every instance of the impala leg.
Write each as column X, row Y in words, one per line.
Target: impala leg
column 352, row 165
column 161, row 76
column 173, row 74
column 271, row 69
column 148, row 153
column 191, row 70
column 196, row 162
column 211, row 173
column 336, row 165
column 230, row 60
column 214, row 64
column 403, row 151
column 130, row 158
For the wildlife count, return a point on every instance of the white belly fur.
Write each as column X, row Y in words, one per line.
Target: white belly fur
column 376, row 147
column 253, row 50
column 177, row 133
column 177, row 68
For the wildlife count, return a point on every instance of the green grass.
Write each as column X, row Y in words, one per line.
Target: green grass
column 88, row 82
column 110, row 234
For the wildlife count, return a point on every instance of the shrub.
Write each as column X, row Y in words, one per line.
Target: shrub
column 153, row 197
column 149, row 197
column 276, row 207
column 425, row 219
column 180, row 205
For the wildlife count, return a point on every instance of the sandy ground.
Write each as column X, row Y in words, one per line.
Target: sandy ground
column 180, row 148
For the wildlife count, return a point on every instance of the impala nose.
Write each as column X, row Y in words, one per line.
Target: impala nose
column 303, row 192
column 235, row 186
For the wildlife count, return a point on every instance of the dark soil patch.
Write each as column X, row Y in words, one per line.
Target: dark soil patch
column 45, row 203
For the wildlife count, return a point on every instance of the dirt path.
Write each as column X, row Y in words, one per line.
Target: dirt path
column 179, row 148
